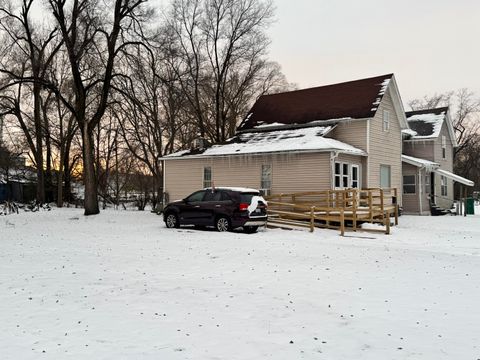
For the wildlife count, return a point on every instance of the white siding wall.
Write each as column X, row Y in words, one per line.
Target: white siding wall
column 385, row 147
column 445, row 164
column 290, row 173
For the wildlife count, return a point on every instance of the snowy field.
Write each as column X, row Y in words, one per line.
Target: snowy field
column 121, row 286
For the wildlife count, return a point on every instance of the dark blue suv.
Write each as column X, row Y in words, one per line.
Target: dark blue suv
column 224, row 208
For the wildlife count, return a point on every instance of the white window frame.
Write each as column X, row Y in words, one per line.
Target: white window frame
column 389, row 176
column 357, row 180
column 386, row 120
column 266, row 177
column 207, row 182
column 414, row 184
column 341, row 177
column 444, row 147
column 443, row 185
column 428, row 188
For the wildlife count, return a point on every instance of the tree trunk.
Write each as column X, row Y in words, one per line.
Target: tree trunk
column 60, row 176
column 89, row 176
column 40, row 196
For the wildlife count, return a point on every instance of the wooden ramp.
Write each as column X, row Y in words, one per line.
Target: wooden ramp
column 334, row 209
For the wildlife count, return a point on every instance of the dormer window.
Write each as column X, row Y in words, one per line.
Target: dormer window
column 386, row 120
column 444, row 147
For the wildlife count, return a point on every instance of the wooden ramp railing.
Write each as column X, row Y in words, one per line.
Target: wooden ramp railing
column 335, row 209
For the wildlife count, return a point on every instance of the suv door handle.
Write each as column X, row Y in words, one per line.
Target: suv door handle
column 197, row 206
column 218, row 205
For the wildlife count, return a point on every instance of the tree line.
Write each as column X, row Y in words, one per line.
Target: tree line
column 105, row 88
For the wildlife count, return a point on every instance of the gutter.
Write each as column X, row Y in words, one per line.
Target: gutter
column 199, row 156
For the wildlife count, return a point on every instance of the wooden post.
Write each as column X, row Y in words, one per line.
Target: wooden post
column 370, row 205
column 396, row 214
column 387, row 224
column 354, row 210
column 312, row 218
column 342, row 223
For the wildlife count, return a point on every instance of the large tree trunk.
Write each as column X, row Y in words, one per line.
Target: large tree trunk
column 60, row 174
column 89, row 177
column 40, row 196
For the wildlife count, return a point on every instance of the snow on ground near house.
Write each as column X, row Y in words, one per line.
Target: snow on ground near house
column 121, row 286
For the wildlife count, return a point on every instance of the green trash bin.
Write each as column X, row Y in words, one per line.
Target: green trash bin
column 470, row 210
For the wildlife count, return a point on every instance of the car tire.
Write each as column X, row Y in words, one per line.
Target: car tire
column 171, row 221
column 222, row 224
column 250, row 229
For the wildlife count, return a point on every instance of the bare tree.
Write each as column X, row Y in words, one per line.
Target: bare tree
column 221, row 48
column 94, row 37
column 34, row 48
column 465, row 113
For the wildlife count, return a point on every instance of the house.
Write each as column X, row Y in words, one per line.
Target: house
column 336, row 136
column 349, row 135
column 427, row 162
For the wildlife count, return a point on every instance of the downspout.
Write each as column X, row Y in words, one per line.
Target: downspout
column 163, row 182
column 333, row 157
column 420, row 203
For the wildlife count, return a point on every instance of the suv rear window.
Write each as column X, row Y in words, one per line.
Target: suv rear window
column 247, row 197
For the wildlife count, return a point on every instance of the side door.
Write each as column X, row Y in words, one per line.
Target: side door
column 190, row 211
column 210, row 206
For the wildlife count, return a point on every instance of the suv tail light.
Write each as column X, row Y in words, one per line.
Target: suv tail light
column 244, row 206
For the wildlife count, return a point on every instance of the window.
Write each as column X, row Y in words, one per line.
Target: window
column 427, row 184
column 385, row 178
column 346, row 175
column 207, row 176
column 386, row 120
column 444, row 147
column 338, row 174
column 355, row 176
column 409, row 184
column 196, row 196
column 212, row 195
column 266, row 182
column 443, row 185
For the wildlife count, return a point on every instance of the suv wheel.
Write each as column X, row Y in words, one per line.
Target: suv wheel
column 222, row 224
column 250, row 229
column 172, row 221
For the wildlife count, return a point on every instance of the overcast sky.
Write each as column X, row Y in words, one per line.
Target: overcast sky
column 430, row 45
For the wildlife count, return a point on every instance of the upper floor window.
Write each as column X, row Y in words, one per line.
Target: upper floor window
column 266, row 182
column 386, row 120
column 444, row 147
column 207, row 176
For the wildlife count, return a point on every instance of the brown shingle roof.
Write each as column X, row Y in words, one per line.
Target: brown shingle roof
column 354, row 99
column 427, row 123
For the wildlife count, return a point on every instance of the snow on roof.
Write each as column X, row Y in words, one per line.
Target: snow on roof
column 421, row 163
column 409, row 132
column 455, row 177
column 427, row 123
column 301, row 139
column 383, row 89
column 280, row 126
column 234, row 188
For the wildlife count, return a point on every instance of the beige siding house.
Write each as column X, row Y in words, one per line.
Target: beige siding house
column 428, row 149
column 338, row 136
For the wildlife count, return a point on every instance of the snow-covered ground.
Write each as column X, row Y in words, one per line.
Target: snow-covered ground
column 121, row 286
